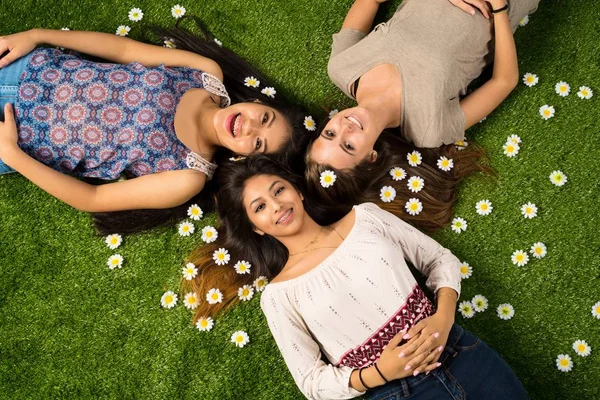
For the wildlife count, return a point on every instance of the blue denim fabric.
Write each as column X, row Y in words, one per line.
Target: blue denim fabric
column 9, row 85
column 470, row 370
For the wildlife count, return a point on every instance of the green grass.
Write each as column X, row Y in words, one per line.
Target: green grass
column 70, row 328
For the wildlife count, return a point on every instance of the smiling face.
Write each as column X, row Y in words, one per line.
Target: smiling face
column 273, row 206
column 247, row 128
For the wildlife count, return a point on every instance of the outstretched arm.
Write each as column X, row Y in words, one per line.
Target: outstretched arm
column 361, row 15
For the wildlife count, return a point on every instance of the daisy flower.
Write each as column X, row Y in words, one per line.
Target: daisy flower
column 169, row 44
column 484, row 207
column 168, row 300
column 309, row 123
column 461, row 144
column 415, row 184
column 242, row 267
column 466, row 309
column 205, row 324
column 482, row 119
column 480, row 303
column 333, row 112
column 519, row 258
column 558, row 178
column 413, row 206
column 596, row 310
column 582, row 348
column 529, row 210
column 64, row 29
column 398, row 173
column 115, row 261
column 564, row 363
column 538, row 250
column 251, row 81
column 505, row 311
column 240, row 338
column 465, row 270
column 269, row 91
column 177, row 11
column 214, row 296
column 530, row 79
column 547, row 111
column 585, row 93
column 524, row 20
column 113, row 241
column 414, row 158
column 189, row 272
column 260, row 283
column 459, row 225
column 387, row 194
column 562, row 89
column 221, row 256
column 122, row 30
column 209, row 234
column 135, row 15
column 195, row 212
column 514, row 139
column 186, row 228
column 190, row 301
column 246, row 292
column 328, row 178
column 220, row 44
column 445, row 164
column 511, row 149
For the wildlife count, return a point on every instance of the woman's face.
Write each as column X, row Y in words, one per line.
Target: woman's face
column 249, row 128
column 273, row 205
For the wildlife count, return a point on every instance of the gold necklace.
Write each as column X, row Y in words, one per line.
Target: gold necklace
column 315, row 240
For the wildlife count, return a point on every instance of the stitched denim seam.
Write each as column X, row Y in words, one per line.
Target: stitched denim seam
column 453, row 379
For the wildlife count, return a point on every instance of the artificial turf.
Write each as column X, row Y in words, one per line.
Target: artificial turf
column 71, row 328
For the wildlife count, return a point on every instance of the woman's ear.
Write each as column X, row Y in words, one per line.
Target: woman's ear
column 373, row 156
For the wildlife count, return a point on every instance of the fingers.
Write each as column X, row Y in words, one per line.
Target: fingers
column 7, row 59
column 396, row 340
column 431, row 361
column 8, row 114
column 482, row 6
column 427, row 345
column 412, row 345
column 463, row 6
column 418, row 327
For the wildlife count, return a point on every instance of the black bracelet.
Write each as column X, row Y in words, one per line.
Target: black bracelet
column 379, row 372
column 500, row 9
column 361, row 380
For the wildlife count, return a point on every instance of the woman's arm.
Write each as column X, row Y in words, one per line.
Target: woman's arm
column 505, row 75
column 361, row 15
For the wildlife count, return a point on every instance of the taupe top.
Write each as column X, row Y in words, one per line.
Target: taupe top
column 438, row 50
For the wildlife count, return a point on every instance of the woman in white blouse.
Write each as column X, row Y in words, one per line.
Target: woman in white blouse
column 342, row 305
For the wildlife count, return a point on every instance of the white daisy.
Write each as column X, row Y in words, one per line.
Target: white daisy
column 465, row 270
column 220, row 44
column 387, row 194
column 64, row 29
column 564, row 363
column 562, row 89
column 459, row 225
column 191, row 301
column 310, row 124
column 484, row 207
column 596, row 310
column 333, row 112
column 524, row 20
column 414, row 158
column 461, row 144
column 251, row 81
column 135, row 15
column 177, row 11
column 269, row 91
column 505, row 311
column 582, row 348
column 189, row 272
column 413, row 206
column 585, row 93
column 240, row 338
column 328, row 178
column 511, row 149
column 260, row 283
column 168, row 300
column 246, row 292
column 538, row 250
column 169, row 44
column 122, row 30
column 515, row 139
column 113, row 241
column 205, row 324
column 480, row 303
column 445, row 164
column 558, row 178
column 547, row 111
column 195, row 212
column 214, row 296
column 186, row 228
column 242, row 267
column 415, row 184
column 519, row 258
column 209, row 234
column 221, row 256
column 482, row 119
column 398, row 173
column 529, row 210
column 115, row 261
column 466, row 309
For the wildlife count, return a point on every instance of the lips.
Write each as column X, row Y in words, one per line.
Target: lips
column 354, row 121
column 286, row 217
column 233, row 124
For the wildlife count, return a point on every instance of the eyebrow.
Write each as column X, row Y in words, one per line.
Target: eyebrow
column 270, row 188
column 341, row 145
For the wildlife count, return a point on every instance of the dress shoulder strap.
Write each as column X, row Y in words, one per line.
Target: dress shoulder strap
column 213, row 85
column 199, row 163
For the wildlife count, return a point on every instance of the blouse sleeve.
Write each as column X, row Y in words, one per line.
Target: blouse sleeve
column 438, row 264
column 315, row 378
column 345, row 39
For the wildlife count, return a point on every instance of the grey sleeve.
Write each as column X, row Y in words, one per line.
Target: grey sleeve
column 345, row 39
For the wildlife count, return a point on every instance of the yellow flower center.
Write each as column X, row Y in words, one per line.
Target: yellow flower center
column 484, row 206
column 115, row 261
column 584, row 92
column 519, row 257
column 204, row 323
column 528, row 210
column 563, row 88
column 445, row 163
column 414, row 206
column 415, row 184
column 538, row 250
column 557, row 178
column 242, row 267
column 215, row 296
column 547, row 113
column 413, row 158
column 245, row 292
column 260, row 283
column 510, row 148
column 221, row 256
column 113, row 241
column 388, row 193
column 460, row 143
column 239, row 339
column 191, row 300
column 209, row 234
column 327, row 179
column 598, row 310
column 564, row 362
column 464, row 269
column 195, row 211
column 581, row 348
column 186, row 228
column 530, row 79
column 169, row 299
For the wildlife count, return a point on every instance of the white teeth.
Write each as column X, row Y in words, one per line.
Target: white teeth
column 284, row 216
column 236, row 125
column 354, row 121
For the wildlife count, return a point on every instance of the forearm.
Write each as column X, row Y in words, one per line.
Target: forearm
column 446, row 302
column 361, row 15
column 506, row 68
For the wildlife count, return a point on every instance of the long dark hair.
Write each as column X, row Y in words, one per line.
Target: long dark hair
column 235, row 70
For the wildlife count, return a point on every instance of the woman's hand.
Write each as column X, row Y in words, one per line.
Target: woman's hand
column 17, row 45
column 8, row 134
column 469, row 6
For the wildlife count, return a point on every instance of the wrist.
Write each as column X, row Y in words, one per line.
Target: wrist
column 498, row 4
column 11, row 154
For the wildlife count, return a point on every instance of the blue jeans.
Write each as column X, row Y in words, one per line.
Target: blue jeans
column 470, row 370
column 10, row 77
